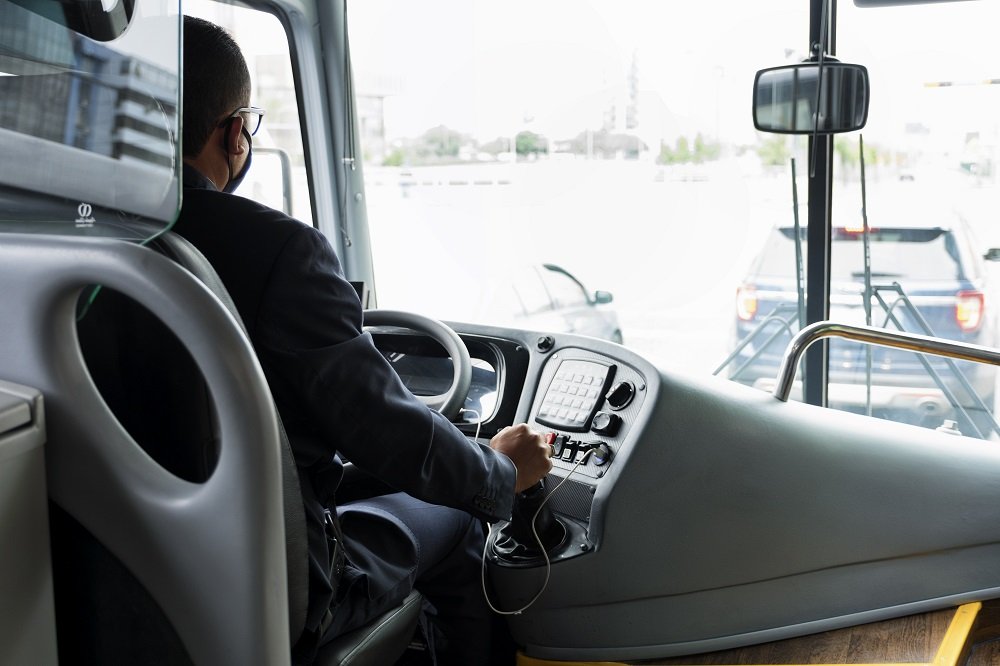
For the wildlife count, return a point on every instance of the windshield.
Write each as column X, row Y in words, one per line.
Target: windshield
column 602, row 137
column 614, row 139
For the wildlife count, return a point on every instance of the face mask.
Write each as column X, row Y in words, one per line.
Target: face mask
column 235, row 181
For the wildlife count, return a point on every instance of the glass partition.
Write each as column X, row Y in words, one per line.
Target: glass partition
column 89, row 104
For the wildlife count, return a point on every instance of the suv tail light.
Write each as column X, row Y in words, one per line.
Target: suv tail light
column 746, row 302
column 969, row 310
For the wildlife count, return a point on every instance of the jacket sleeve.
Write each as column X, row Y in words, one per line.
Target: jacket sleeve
column 336, row 386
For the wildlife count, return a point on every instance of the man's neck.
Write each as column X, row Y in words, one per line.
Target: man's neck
column 205, row 166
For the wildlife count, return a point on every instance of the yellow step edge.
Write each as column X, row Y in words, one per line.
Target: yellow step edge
column 524, row 660
column 948, row 654
column 957, row 635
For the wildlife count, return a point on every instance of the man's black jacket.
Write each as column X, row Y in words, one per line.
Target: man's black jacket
column 333, row 389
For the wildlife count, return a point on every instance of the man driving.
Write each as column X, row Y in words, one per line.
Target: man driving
column 336, row 393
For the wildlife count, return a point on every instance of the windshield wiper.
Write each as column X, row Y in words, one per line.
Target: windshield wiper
column 861, row 274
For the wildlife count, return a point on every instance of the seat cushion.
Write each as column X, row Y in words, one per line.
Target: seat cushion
column 382, row 641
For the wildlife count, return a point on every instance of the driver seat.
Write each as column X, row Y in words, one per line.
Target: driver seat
column 147, row 557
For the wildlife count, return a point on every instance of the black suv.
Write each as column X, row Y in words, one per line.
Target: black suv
column 927, row 278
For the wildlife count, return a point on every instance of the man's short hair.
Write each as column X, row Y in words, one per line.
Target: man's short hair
column 216, row 81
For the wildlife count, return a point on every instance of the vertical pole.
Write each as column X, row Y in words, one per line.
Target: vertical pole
column 818, row 235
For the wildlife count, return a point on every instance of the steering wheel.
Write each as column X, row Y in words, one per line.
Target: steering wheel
column 451, row 401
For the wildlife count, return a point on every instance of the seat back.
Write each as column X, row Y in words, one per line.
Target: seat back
column 152, row 385
column 89, row 131
column 211, row 553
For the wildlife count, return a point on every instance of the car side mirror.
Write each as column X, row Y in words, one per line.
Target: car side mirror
column 992, row 254
column 603, row 297
column 786, row 99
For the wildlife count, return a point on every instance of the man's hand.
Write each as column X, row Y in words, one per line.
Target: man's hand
column 528, row 451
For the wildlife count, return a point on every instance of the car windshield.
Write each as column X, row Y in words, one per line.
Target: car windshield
column 896, row 254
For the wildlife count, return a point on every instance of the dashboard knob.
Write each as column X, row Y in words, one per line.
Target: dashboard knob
column 601, row 454
column 620, row 395
column 606, row 424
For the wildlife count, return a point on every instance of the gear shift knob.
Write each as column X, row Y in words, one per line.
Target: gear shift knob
column 518, row 537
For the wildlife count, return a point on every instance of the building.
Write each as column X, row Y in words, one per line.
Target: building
column 60, row 86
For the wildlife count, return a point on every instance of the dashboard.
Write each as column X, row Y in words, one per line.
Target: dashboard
column 499, row 371
column 677, row 495
column 588, row 395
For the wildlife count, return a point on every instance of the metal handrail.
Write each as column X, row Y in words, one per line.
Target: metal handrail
column 774, row 316
column 961, row 409
column 875, row 336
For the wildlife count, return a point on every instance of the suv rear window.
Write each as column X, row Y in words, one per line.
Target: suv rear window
column 897, row 253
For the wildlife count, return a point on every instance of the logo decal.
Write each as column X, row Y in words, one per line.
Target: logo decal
column 85, row 219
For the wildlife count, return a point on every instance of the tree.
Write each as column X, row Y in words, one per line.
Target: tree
column 496, row 146
column 395, row 158
column 604, row 144
column 440, row 142
column 705, row 151
column 529, row 143
column 680, row 154
column 846, row 149
column 773, row 151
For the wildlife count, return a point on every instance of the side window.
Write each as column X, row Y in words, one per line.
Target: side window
column 565, row 292
column 278, row 177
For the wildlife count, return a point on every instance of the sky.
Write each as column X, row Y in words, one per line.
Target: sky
column 492, row 68
column 491, row 65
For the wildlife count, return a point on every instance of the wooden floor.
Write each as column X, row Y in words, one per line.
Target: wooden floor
column 965, row 636
column 985, row 639
column 913, row 639
column 985, row 654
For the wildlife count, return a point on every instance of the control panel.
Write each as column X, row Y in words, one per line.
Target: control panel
column 574, row 393
column 587, row 403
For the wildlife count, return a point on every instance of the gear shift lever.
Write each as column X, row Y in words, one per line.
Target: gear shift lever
column 516, row 540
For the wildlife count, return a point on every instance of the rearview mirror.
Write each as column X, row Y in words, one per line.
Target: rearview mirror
column 785, row 99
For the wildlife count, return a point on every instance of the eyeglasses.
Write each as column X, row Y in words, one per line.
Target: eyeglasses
column 252, row 116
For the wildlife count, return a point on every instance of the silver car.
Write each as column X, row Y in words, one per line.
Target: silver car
column 548, row 297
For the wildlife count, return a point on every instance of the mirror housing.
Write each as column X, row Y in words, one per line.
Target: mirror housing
column 603, row 297
column 785, row 98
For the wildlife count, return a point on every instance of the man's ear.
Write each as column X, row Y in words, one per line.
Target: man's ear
column 233, row 136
